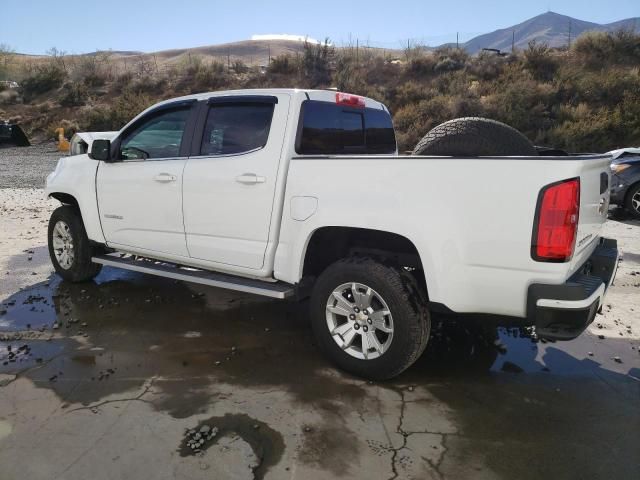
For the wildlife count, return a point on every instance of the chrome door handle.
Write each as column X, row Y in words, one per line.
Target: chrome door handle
column 250, row 179
column 164, row 178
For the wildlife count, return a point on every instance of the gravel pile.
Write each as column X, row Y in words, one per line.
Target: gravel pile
column 27, row 167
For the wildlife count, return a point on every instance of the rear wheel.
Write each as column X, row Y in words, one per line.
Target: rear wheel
column 632, row 201
column 69, row 246
column 369, row 318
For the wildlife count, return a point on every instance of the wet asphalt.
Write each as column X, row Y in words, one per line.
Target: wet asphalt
column 525, row 409
column 133, row 376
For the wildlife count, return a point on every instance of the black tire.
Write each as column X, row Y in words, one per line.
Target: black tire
column 634, row 191
column 472, row 137
column 405, row 300
column 81, row 268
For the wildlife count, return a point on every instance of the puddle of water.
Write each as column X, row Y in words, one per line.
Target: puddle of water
column 266, row 443
column 125, row 328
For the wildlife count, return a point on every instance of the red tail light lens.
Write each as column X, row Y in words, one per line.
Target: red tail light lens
column 349, row 100
column 556, row 225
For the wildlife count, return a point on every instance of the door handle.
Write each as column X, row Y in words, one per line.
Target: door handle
column 164, row 178
column 250, row 179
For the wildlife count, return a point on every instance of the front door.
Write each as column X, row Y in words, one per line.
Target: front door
column 140, row 195
column 229, row 187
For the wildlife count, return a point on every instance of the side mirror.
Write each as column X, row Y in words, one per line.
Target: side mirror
column 101, row 150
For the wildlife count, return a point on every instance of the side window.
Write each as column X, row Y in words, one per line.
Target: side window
column 329, row 128
column 233, row 128
column 158, row 137
column 381, row 137
column 333, row 129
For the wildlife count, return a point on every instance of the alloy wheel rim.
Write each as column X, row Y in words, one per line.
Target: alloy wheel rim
column 635, row 201
column 359, row 320
column 63, row 247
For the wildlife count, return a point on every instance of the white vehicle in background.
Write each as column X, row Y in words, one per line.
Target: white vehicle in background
column 279, row 192
column 81, row 141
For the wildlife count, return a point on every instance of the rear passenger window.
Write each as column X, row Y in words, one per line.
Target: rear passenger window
column 236, row 128
column 328, row 128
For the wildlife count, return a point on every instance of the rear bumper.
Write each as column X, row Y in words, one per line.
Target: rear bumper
column 562, row 312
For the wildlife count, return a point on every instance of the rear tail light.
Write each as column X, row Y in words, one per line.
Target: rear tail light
column 556, row 222
column 349, row 100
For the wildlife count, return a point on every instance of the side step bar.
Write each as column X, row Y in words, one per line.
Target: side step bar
column 274, row 290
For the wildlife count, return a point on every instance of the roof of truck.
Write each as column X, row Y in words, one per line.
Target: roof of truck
column 313, row 94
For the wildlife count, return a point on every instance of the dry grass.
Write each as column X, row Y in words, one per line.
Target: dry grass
column 574, row 100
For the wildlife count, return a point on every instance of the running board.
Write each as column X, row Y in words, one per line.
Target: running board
column 221, row 280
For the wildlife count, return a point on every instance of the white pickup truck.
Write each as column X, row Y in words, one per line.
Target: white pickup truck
column 280, row 192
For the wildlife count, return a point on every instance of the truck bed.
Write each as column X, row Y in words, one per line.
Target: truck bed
column 475, row 224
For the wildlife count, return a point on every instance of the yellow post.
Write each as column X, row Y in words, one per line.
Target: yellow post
column 63, row 143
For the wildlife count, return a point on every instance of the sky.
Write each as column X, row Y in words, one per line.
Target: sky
column 80, row 26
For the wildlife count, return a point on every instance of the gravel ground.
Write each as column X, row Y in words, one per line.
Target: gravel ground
column 24, row 167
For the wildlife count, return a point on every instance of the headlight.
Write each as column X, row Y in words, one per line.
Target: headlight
column 619, row 167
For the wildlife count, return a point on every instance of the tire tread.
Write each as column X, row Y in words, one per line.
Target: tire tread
column 474, row 136
column 83, row 268
column 406, row 288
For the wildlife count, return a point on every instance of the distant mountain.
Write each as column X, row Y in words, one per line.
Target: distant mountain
column 550, row 28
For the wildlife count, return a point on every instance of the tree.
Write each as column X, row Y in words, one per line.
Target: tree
column 317, row 62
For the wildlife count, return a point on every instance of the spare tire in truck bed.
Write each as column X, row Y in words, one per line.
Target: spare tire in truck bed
column 472, row 137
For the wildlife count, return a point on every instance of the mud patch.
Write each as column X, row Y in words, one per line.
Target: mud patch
column 266, row 443
column 5, row 429
column 331, row 448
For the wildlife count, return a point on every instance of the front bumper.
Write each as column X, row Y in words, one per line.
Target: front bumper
column 562, row 312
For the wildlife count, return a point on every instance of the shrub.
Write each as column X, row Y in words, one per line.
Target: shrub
column 239, row 67
column 539, row 61
column 450, row 59
column 414, row 121
column 317, row 62
column 116, row 116
column 45, row 79
column 9, row 97
column 123, row 82
column 487, row 66
column 597, row 49
column 421, row 65
column 283, row 65
column 410, row 93
column 198, row 76
column 75, row 95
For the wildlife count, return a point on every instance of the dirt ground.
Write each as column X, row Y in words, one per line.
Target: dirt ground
column 120, row 377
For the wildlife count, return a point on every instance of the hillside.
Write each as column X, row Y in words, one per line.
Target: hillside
column 550, row 28
column 584, row 99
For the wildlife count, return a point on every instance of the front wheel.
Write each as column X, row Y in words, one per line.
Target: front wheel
column 632, row 202
column 69, row 246
column 369, row 318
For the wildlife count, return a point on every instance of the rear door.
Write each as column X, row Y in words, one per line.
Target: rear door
column 140, row 195
column 229, row 183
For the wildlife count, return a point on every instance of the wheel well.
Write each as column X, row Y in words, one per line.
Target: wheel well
column 329, row 244
column 65, row 199
column 630, row 188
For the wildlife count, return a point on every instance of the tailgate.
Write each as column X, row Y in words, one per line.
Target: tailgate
column 595, row 176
